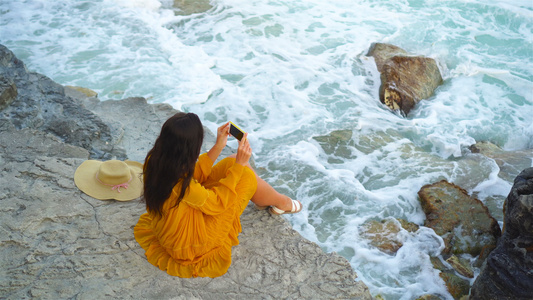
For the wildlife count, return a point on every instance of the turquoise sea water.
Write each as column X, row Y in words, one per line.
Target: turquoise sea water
column 292, row 72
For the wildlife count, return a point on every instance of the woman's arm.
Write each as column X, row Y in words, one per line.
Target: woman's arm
column 222, row 140
column 216, row 200
column 206, row 161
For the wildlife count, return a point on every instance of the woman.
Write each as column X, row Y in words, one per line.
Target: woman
column 193, row 208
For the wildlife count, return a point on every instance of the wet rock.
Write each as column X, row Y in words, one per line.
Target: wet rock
column 509, row 162
column 461, row 266
column 458, row 287
column 340, row 146
column 463, row 222
column 478, row 263
column 188, row 7
column 405, row 79
column 337, row 143
column 382, row 52
column 429, row 297
column 508, row 270
column 384, row 234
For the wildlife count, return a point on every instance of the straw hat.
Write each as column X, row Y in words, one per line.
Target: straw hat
column 112, row 179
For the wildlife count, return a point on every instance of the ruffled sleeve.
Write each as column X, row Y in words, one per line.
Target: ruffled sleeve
column 203, row 168
column 217, row 199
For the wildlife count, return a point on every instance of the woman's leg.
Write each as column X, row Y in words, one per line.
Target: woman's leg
column 266, row 195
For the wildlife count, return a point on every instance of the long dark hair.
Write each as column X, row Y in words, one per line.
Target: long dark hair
column 172, row 159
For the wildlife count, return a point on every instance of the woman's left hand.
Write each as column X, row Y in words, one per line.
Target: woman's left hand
column 244, row 152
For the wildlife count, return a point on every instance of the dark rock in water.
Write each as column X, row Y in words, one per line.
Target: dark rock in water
column 463, row 222
column 405, row 79
column 508, row 270
column 41, row 104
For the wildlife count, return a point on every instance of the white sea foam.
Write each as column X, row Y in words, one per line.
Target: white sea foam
column 290, row 71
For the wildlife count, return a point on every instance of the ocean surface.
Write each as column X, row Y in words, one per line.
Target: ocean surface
column 294, row 74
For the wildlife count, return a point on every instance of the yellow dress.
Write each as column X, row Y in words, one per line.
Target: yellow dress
column 195, row 238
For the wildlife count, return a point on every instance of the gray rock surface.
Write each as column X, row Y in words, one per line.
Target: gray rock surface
column 8, row 92
column 508, row 270
column 57, row 243
column 41, row 104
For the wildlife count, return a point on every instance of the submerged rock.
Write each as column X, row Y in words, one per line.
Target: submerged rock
column 457, row 286
column 337, row 145
column 508, row 270
column 384, row 234
column 405, row 79
column 188, row 7
column 509, row 162
column 463, row 222
column 340, row 146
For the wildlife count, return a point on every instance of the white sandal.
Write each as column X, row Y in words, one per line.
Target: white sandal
column 296, row 208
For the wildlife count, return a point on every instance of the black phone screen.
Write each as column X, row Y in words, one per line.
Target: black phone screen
column 236, row 132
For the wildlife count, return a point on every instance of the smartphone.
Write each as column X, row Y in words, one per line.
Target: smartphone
column 236, row 131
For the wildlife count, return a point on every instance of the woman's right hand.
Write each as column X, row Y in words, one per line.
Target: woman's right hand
column 222, row 139
column 244, row 152
column 222, row 135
